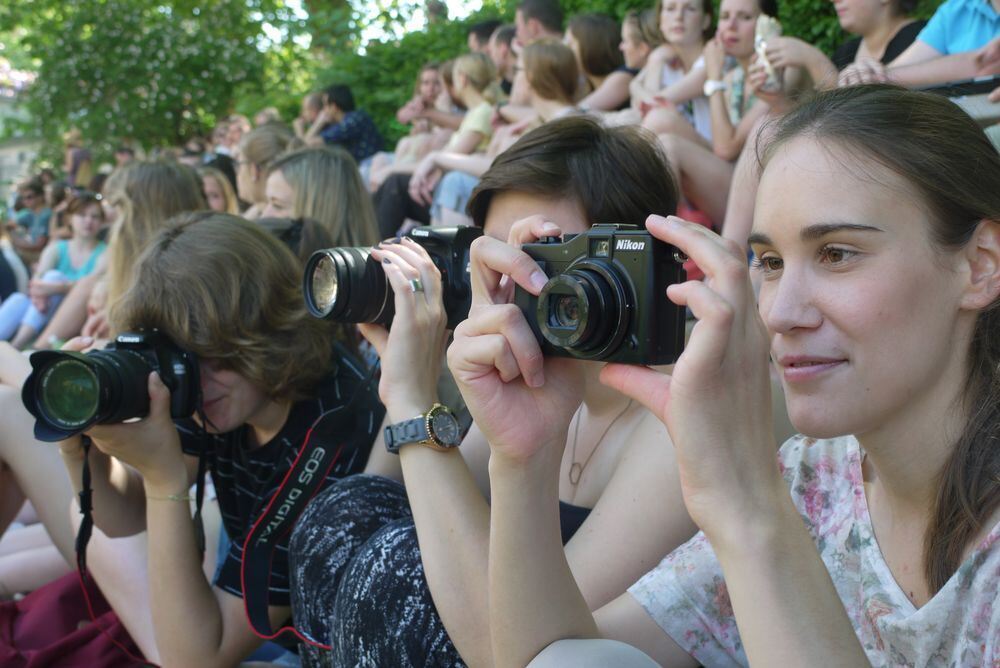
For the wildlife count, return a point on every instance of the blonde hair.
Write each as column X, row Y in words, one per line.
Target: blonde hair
column 328, row 189
column 225, row 289
column 551, row 69
column 264, row 143
column 146, row 194
column 228, row 192
column 481, row 73
column 646, row 24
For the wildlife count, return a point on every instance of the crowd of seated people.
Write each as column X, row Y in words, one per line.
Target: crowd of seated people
column 813, row 480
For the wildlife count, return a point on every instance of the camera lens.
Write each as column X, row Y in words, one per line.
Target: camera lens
column 584, row 310
column 69, row 393
column 565, row 311
column 347, row 285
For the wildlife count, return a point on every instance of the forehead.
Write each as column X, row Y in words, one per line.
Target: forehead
column 807, row 182
column 738, row 6
column 507, row 208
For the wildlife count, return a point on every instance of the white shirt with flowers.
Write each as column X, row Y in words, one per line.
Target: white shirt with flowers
column 960, row 626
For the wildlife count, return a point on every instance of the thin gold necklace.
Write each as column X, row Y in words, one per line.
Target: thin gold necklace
column 576, row 470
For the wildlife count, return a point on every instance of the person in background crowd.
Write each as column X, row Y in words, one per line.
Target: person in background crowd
column 423, row 137
column 219, row 193
column 674, row 101
column 953, row 45
column 77, row 164
column 479, row 35
column 29, row 231
column 502, row 53
column 534, row 19
column 267, row 115
column 61, row 265
column 404, row 196
column 259, row 148
column 236, row 128
column 192, row 153
column 706, row 173
column 124, row 155
column 322, row 184
column 312, row 105
column 340, row 123
column 596, row 43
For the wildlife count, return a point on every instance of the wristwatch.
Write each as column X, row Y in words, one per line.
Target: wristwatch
column 713, row 86
column 438, row 429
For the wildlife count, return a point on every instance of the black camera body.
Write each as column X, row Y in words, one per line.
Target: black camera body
column 347, row 285
column 67, row 392
column 606, row 296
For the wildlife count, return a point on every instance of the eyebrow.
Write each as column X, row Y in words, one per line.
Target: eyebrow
column 814, row 232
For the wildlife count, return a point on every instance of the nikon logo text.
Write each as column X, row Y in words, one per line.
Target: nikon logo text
column 629, row 245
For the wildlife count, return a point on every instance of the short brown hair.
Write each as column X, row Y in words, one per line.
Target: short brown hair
column 597, row 37
column 225, row 289
column 551, row 69
column 618, row 175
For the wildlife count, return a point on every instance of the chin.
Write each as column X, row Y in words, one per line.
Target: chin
column 819, row 421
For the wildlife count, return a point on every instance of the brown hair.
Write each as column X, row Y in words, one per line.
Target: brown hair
column 223, row 288
column 597, row 37
column 146, row 194
column 263, row 144
column 551, row 69
column 618, row 175
column 80, row 203
column 225, row 185
column 647, row 25
column 946, row 157
column 329, row 190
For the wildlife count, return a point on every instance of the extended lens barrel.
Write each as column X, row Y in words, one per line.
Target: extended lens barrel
column 584, row 310
column 347, row 285
column 69, row 393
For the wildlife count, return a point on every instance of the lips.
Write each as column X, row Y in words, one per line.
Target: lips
column 798, row 368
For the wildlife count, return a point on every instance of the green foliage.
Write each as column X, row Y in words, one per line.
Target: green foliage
column 155, row 72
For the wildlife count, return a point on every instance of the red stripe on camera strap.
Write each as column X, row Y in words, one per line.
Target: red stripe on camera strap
column 303, row 481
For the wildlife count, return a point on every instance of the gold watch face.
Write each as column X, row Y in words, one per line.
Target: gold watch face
column 444, row 428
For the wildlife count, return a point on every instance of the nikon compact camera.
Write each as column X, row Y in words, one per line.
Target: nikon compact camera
column 606, row 296
column 67, row 392
column 347, row 285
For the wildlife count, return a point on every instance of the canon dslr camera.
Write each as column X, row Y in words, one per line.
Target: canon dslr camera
column 347, row 285
column 67, row 392
column 606, row 296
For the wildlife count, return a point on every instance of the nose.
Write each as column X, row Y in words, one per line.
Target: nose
column 787, row 303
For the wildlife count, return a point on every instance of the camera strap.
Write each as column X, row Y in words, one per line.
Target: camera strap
column 322, row 446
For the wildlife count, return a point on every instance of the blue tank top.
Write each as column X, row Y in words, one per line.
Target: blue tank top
column 65, row 266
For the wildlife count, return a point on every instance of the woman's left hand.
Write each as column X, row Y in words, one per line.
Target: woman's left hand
column 412, row 350
column 151, row 445
column 756, row 80
column 717, row 401
column 425, row 178
column 715, row 57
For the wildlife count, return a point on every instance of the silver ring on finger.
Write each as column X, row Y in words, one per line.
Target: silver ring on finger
column 416, row 285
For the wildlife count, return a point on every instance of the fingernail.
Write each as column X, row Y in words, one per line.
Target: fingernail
column 86, row 340
column 386, row 261
column 538, row 280
column 537, row 379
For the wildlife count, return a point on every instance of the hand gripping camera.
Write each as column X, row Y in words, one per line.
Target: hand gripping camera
column 67, row 392
column 347, row 285
column 606, row 296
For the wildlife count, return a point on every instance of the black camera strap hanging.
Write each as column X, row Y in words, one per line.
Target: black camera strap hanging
column 321, row 448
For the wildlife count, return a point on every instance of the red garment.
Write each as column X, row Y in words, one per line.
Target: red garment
column 51, row 627
column 690, row 214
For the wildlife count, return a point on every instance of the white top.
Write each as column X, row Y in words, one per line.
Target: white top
column 960, row 626
column 697, row 110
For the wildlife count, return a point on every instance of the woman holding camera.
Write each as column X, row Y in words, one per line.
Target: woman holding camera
column 360, row 579
column 876, row 536
column 225, row 290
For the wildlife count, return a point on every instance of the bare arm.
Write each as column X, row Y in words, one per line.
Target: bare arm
column 727, row 139
column 611, row 94
column 442, row 119
column 475, row 164
column 963, row 65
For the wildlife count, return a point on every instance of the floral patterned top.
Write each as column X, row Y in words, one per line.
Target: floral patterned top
column 960, row 626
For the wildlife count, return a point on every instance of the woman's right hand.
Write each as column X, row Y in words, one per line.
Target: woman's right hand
column 413, row 348
column 522, row 402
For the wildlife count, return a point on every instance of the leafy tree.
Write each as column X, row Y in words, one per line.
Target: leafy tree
column 157, row 72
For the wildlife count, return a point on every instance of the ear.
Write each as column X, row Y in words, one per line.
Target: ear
column 983, row 256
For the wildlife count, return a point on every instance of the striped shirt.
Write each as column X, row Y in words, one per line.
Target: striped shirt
column 245, row 478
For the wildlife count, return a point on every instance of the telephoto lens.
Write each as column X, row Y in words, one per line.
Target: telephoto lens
column 67, row 392
column 347, row 285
